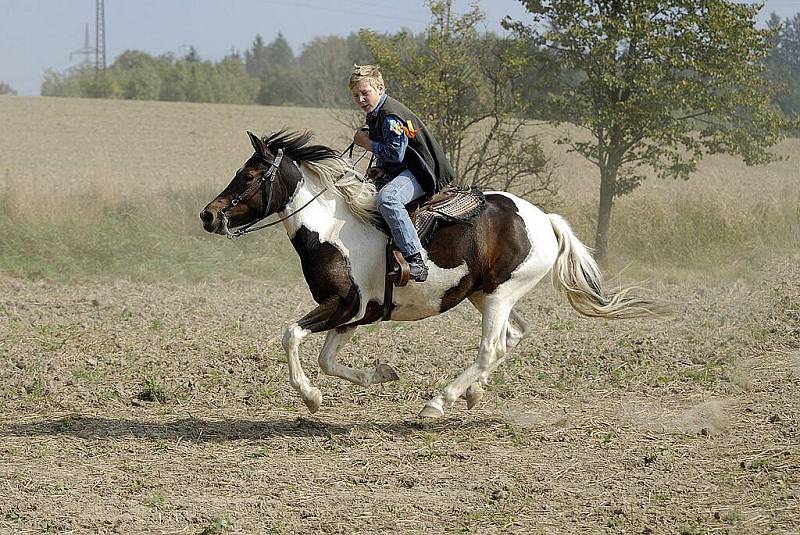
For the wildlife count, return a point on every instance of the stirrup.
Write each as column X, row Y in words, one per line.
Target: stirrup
column 400, row 272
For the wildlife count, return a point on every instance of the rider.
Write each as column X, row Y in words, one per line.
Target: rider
column 413, row 161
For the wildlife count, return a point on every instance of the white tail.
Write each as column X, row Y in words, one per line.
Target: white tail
column 577, row 277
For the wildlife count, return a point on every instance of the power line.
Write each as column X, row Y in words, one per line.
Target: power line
column 345, row 11
column 388, row 4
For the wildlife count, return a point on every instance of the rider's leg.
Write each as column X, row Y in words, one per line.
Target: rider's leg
column 392, row 201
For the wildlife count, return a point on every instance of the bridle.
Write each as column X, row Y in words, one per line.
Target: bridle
column 265, row 185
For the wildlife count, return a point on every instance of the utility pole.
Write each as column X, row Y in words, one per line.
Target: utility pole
column 86, row 51
column 100, row 37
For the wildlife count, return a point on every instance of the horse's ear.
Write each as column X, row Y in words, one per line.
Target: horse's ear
column 258, row 145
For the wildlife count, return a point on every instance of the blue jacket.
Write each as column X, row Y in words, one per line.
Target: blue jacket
column 393, row 147
column 409, row 139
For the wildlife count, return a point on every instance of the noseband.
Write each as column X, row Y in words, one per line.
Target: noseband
column 269, row 176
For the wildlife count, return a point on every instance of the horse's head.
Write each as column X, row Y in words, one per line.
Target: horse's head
column 262, row 186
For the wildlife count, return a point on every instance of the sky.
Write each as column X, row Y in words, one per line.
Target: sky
column 39, row 34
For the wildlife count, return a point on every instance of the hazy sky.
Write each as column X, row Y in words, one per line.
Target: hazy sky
column 40, row 34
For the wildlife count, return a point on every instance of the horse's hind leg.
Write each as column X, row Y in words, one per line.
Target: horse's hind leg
column 493, row 348
column 516, row 330
column 380, row 373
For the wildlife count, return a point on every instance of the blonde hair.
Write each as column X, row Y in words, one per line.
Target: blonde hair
column 371, row 73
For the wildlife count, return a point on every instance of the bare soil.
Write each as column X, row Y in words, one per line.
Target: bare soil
column 165, row 408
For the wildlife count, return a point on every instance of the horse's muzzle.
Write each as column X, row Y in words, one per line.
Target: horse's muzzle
column 211, row 220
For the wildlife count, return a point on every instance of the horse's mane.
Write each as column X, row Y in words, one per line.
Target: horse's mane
column 333, row 171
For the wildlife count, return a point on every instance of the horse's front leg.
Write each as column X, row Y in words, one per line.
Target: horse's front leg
column 329, row 314
column 380, row 373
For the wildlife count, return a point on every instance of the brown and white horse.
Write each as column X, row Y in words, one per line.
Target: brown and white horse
column 493, row 262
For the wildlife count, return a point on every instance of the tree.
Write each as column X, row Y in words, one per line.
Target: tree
column 273, row 65
column 138, row 75
column 323, row 69
column 67, row 84
column 784, row 62
column 465, row 86
column 233, row 85
column 6, row 89
column 663, row 83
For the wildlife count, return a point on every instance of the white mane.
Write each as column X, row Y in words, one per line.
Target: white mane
column 352, row 186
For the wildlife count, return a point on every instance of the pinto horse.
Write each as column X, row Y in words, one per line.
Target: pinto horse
column 327, row 210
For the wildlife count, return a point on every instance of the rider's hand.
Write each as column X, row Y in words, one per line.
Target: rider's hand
column 361, row 138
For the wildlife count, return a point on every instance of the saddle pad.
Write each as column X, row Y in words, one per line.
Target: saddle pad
column 452, row 205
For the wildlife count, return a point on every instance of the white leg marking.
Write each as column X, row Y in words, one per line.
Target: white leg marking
column 380, row 373
column 292, row 336
column 493, row 347
column 516, row 329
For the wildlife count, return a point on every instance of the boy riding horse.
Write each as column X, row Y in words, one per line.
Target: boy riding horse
column 412, row 161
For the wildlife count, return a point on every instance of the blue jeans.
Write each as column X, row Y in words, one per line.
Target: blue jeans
column 392, row 201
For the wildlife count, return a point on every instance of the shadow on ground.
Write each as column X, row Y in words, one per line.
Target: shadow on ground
column 200, row 430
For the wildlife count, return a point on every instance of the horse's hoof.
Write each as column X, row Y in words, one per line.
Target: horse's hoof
column 385, row 373
column 313, row 400
column 473, row 395
column 431, row 411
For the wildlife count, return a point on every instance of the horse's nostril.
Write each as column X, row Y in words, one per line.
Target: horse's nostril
column 206, row 216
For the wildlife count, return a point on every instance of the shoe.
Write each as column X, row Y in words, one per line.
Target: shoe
column 417, row 267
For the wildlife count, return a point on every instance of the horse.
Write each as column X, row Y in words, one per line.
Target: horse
column 329, row 210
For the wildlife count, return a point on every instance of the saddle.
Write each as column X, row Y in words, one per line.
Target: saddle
column 449, row 206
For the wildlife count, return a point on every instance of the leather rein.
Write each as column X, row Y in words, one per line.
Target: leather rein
column 269, row 176
column 265, row 185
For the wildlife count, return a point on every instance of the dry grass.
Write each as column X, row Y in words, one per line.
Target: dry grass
column 143, row 387
column 114, row 187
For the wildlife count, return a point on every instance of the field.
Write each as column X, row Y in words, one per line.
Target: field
column 143, row 388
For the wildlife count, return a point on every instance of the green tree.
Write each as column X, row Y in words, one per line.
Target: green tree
column 67, row 84
column 138, row 75
column 232, row 83
column 466, row 87
column 255, row 59
column 273, row 64
column 323, row 69
column 6, row 89
column 663, row 83
column 784, row 62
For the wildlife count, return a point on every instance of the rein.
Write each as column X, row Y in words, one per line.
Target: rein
column 349, row 152
column 270, row 175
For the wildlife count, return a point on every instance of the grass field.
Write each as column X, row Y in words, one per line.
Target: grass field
column 143, row 386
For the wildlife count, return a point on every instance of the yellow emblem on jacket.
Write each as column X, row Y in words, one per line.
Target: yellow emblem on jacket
column 409, row 130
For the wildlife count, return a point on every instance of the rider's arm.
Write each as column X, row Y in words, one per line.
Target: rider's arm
column 393, row 147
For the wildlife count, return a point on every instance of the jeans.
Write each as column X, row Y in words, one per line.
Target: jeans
column 392, row 200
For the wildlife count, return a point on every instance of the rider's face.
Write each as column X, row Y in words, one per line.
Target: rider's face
column 365, row 96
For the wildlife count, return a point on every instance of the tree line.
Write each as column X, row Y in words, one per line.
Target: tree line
column 267, row 73
column 272, row 74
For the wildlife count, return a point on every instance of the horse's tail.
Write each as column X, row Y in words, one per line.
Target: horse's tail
column 577, row 277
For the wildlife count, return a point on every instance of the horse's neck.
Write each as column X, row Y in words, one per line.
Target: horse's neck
column 323, row 212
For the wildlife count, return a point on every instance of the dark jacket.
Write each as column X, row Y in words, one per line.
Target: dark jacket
column 424, row 156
